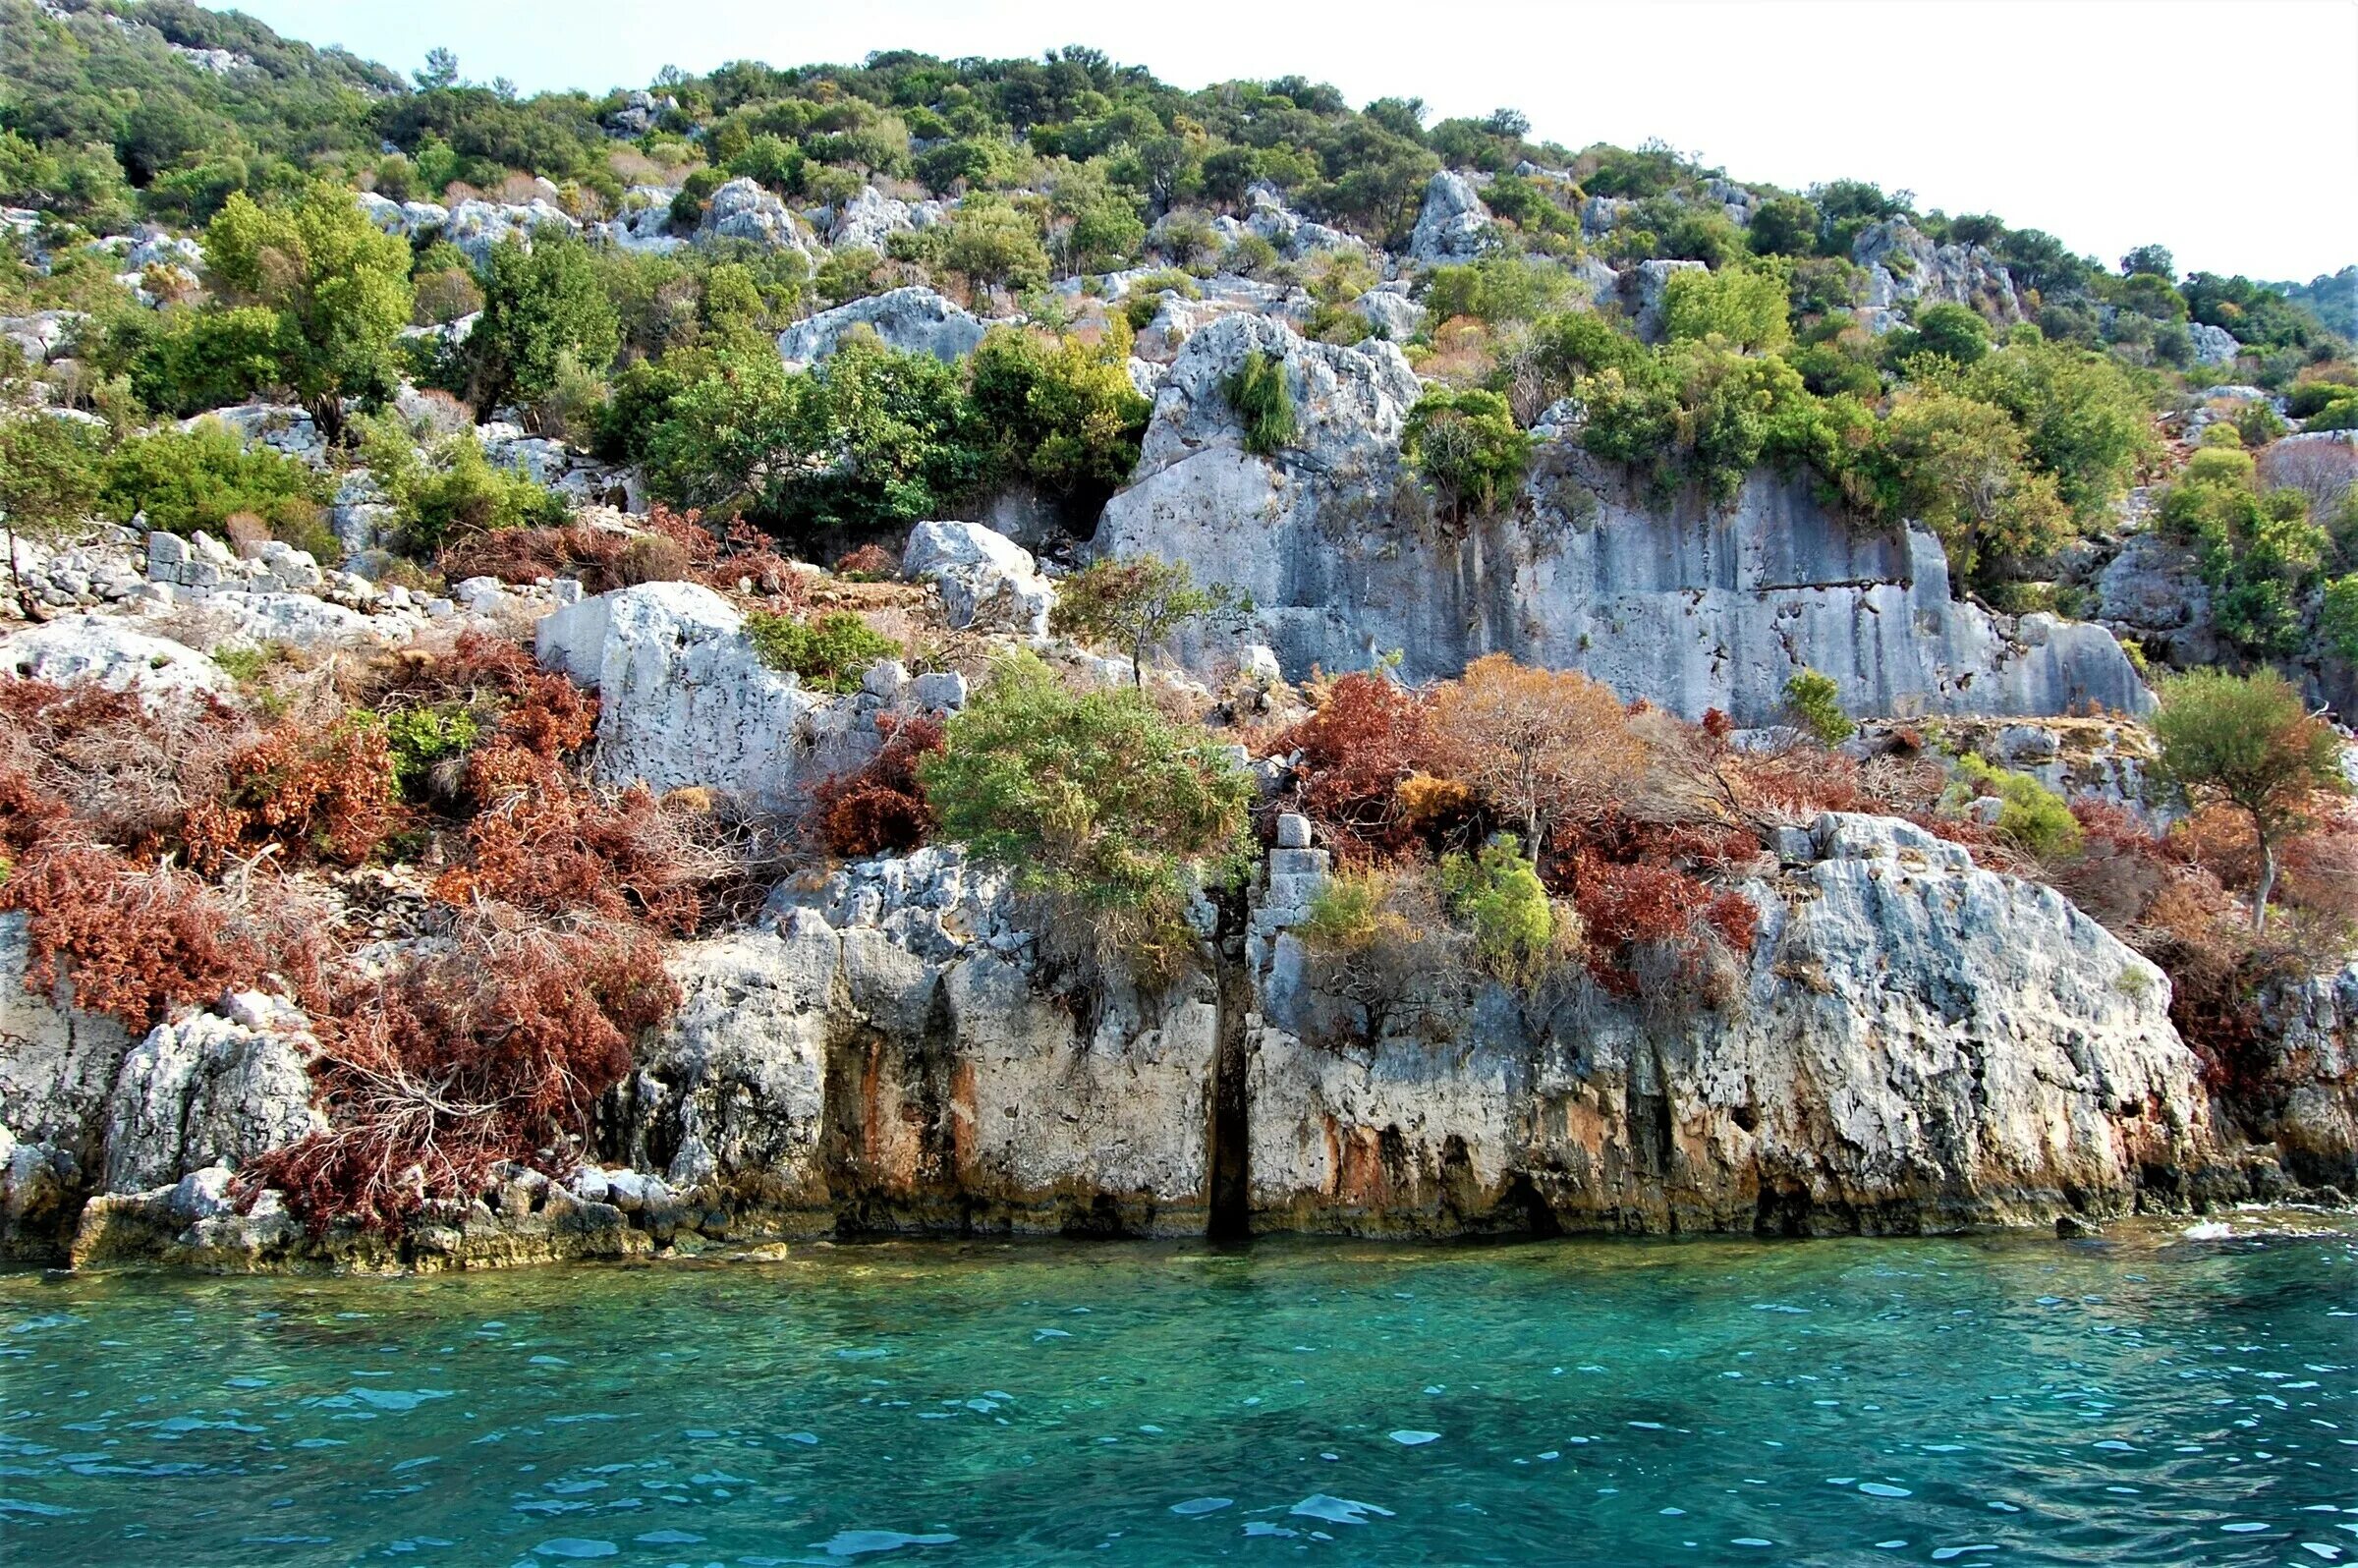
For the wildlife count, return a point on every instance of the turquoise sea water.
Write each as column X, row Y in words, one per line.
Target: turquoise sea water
column 2145, row 1399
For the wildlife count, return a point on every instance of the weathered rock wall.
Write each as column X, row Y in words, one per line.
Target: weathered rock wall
column 1915, row 1045
column 880, row 1057
column 1688, row 605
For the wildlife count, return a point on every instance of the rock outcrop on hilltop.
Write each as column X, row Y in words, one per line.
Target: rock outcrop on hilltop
column 1689, row 606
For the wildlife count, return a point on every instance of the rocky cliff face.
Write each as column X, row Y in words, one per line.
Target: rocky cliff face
column 1691, row 607
column 1915, row 1045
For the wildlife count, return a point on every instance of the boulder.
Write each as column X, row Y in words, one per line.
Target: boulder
column 869, row 219
column 684, row 701
column 988, row 581
column 281, row 426
column 912, row 320
column 2212, row 345
column 1452, row 225
column 742, row 209
column 42, row 335
column 204, row 1090
column 1390, row 314
column 112, row 652
column 479, row 227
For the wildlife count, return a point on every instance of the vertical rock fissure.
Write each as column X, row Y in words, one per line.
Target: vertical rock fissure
column 1228, row 1162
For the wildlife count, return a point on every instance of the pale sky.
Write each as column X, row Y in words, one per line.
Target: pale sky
column 2227, row 132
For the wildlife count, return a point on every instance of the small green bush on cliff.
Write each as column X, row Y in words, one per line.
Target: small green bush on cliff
column 830, row 652
column 1259, row 393
column 1815, row 703
column 2030, row 813
column 1095, row 802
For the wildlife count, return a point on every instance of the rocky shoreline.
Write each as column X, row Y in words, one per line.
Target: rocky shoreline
column 1918, row 1045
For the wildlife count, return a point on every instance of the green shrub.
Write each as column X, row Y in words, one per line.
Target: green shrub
column 830, row 652
column 1343, row 914
column 1814, row 704
column 2035, row 817
column 1955, row 332
column 418, row 738
column 183, row 362
column 2338, row 619
column 1145, row 298
column 1467, row 446
column 454, row 490
column 1745, row 306
column 1497, row 288
column 1094, row 800
column 2339, row 415
column 1259, row 393
column 1498, row 895
column 199, row 478
column 2260, row 552
column 1064, row 412
column 52, row 472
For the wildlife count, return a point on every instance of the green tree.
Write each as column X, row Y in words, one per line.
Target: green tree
column 540, row 307
column 867, row 438
column 1094, row 800
column 340, row 286
column 1467, row 446
column 49, row 481
column 1960, row 467
column 1747, row 307
column 2247, row 742
column 2083, row 419
column 1064, row 411
column 1136, row 601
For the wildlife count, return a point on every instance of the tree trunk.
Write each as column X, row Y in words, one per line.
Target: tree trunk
column 2268, row 882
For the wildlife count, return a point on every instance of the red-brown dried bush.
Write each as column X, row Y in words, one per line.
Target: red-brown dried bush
column 882, row 808
column 579, row 550
column 1636, row 911
column 1366, row 738
column 326, row 795
column 870, row 560
column 547, row 843
column 544, row 712
column 488, row 1051
column 137, row 940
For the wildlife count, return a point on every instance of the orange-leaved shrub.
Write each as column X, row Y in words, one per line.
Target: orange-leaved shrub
column 881, row 808
column 1368, row 737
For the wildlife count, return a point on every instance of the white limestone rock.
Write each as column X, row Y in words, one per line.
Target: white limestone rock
column 684, row 701
column 742, row 209
column 1452, row 225
column 1690, row 608
column 205, row 1091
column 986, row 580
column 1905, row 267
column 912, row 320
column 112, row 652
column 1918, row 1045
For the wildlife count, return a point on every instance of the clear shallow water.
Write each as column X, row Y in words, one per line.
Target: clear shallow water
column 2146, row 1399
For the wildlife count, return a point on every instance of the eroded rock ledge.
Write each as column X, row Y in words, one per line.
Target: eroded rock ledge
column 1916, row 1044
